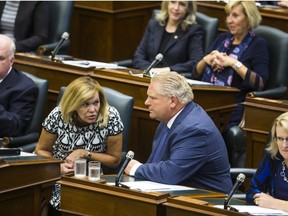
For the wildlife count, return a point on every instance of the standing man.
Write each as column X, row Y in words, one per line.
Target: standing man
column 193, row 152
column 18, row 93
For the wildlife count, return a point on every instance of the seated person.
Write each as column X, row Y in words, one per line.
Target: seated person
column 175, row 34
column 237, row 58
column 18, row 93
column 192, row 152
column 27, row 22
column 269, row 185
column 83, row 125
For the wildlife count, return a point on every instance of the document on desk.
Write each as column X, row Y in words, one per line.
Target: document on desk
column 149, row 186
column 96, row 64
column 256, row 210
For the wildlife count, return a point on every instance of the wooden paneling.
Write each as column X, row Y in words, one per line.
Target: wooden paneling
column 259, row 116
column 109, row 30
column 25, row 183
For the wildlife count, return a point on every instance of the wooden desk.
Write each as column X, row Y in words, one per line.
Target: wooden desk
column 277, row 18
column 187, row 206
column 81, row 197
column 259, row 116
column 25, row 183
column 217, row 101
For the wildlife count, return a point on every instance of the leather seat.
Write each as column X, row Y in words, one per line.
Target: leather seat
column 124, row 104
column 28, row 141
column 278, row 45
column 59, row 22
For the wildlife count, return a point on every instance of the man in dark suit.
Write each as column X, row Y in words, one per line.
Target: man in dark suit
column 193, row 152
column 18, row 93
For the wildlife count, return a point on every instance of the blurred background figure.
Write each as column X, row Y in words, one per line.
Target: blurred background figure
column 175, row 34
column 26, row 22
column 238, row 58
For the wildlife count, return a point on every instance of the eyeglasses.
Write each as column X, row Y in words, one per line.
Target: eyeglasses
column 282, row 139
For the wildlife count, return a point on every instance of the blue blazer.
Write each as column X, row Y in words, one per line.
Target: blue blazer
column 18, row 95
column 181, row 53
column 31, row 25
column 194, row 154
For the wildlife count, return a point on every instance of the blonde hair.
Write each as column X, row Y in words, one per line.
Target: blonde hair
column 172, row 83
column 189, row 18
column 77, row 93
column 249, row 9
column 280, row 121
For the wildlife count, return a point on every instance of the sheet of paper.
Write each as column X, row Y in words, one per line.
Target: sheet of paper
column 197, row 82
column 154, row 186
column 256, row 210
column 87, row 64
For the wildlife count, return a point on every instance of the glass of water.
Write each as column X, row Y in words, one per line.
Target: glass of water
column 94, row 169
column 80, row 167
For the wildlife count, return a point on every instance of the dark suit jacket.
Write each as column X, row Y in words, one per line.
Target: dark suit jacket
column 194, row 154
column 31, row 25
column 18, row 95
column 181, row 52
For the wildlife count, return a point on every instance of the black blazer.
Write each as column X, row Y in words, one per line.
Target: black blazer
column 18, row 95
column 181, row 53
column 31, row 25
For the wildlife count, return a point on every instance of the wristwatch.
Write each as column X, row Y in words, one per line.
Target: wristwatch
column 89, row 156
column 237, row 65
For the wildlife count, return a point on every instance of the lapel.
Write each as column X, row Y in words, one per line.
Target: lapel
column 165, row 151
column 158, row 35
column 8, row 81
column 177, row 36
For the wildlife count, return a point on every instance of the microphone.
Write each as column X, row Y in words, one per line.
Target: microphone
column 129, row 157
column 156, row 61
column 240, row 179
column 64, row 37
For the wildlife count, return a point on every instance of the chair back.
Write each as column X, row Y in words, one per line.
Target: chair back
column 123, row 103
column 59, row 22
column 36, row 121
column 60, row 19
column 210, row 26
column 277, row 41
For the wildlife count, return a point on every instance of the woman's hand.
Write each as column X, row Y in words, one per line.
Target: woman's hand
column 265, row 200
column 67, row 167
column 78, row 153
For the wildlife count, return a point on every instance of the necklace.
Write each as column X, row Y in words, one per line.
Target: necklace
column 283, row 172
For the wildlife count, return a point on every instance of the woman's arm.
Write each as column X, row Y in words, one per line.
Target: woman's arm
column 45, row 143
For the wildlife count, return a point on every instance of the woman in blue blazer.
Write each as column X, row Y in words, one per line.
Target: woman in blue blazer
column 175, row 34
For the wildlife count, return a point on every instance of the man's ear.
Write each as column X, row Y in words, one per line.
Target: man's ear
column 174, row 101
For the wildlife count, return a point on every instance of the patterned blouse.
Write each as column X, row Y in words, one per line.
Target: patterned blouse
column 72, row 137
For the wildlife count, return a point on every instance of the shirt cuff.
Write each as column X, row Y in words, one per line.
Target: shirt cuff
column 134, row 168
